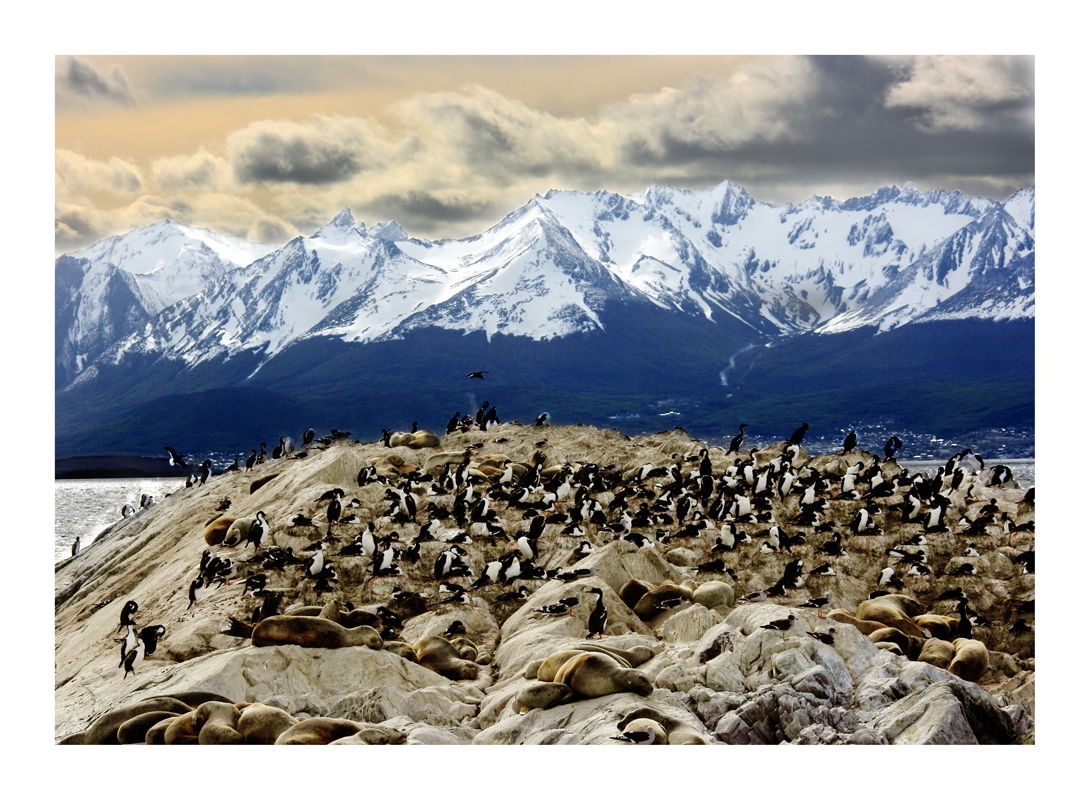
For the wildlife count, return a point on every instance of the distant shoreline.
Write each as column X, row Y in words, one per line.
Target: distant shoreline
column 115, row 466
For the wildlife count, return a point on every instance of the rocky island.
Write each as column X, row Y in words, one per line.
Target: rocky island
column 557, row 585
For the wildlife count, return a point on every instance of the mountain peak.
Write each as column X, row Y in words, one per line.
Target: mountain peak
column 389, row 231
column 343, row 220
column 340, row 225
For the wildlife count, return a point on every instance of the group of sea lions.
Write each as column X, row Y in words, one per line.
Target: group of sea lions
column 454, row 657
column 207, row 718
column 582, row 670
column 897, row 623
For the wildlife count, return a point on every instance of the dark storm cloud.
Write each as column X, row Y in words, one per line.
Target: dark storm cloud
column 847, row 131
column 423, row 210
column 326, row 151
column 79, row 82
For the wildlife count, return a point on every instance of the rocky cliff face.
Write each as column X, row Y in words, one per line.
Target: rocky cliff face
column 693, row 658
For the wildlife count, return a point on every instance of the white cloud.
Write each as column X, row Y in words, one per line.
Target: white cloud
column 953, row 92
column 194, row 171
column 76, row 173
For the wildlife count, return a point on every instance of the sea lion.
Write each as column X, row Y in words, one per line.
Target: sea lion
column 303, row 611
column 895, row 611
column 183, row 729
column 104, row 729
column 678, row 731
column 646, row 607
column 634, row 656
column 892, row 647
column 318, row 730
column 357, row 617
column 216, row 530
column 331, row 611
column 866, row 627
column 633, row 590
column 439, row 655
column 156, row 733
column 938, row 625
column 548, row 668
column 236, row 531
column 909, row 645
column 542, row 695
column 970, row 660
column 644, row 726
column 596, row 674
column 466, row 649
column 403, row 649
column 216, row 723
column 370, row 733
column 262, row 724
column 194, row 698
column 312, row 632
column 938, row 652
column 255, row 485
column 135, row 730
column 712, row 594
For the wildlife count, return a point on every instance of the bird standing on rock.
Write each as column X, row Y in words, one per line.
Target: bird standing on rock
column 781, row 625
column 597, row 621
column 564, row 606
column 131, row 607
column 797, row 436
column 736, row 442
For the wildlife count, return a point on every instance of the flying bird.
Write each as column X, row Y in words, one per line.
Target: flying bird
column 478, row 375
column 174, row 459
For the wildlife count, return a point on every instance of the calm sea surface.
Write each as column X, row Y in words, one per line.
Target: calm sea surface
column 85, row 507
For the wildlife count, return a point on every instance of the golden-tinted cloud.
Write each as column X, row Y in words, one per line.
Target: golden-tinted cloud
column 448, row 159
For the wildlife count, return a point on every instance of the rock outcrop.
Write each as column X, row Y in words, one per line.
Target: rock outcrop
column 685, row 657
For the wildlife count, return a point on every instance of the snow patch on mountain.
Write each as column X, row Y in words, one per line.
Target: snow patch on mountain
column 550, row 267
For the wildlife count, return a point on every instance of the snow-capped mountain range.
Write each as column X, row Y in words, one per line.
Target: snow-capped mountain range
column 548, row 269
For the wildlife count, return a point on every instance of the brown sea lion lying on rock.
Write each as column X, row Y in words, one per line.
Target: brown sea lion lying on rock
column 400, row 648
column 262, row 724
column 325, row 730
column 216, row 723
column 633, row 590
column 938, row 652
column 677, row 731
column 895, row 611
column 135, row 730
column 909, row 645
column 216, row 530
column 104, row 729
column 439, row 655
column 585, row 674
column 632, row 657
column 970, row 659
column 312, row 632
column 937, row 625
column 597, row 674
column 866, row 627
column 414, row 440
column 647, row 607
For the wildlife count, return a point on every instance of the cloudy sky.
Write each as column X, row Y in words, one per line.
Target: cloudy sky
column 271, row 146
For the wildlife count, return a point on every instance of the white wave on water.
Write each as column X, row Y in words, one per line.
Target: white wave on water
column 85, row 507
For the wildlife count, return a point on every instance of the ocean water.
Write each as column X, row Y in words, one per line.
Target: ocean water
column 1023, row 469
column 84, row 507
